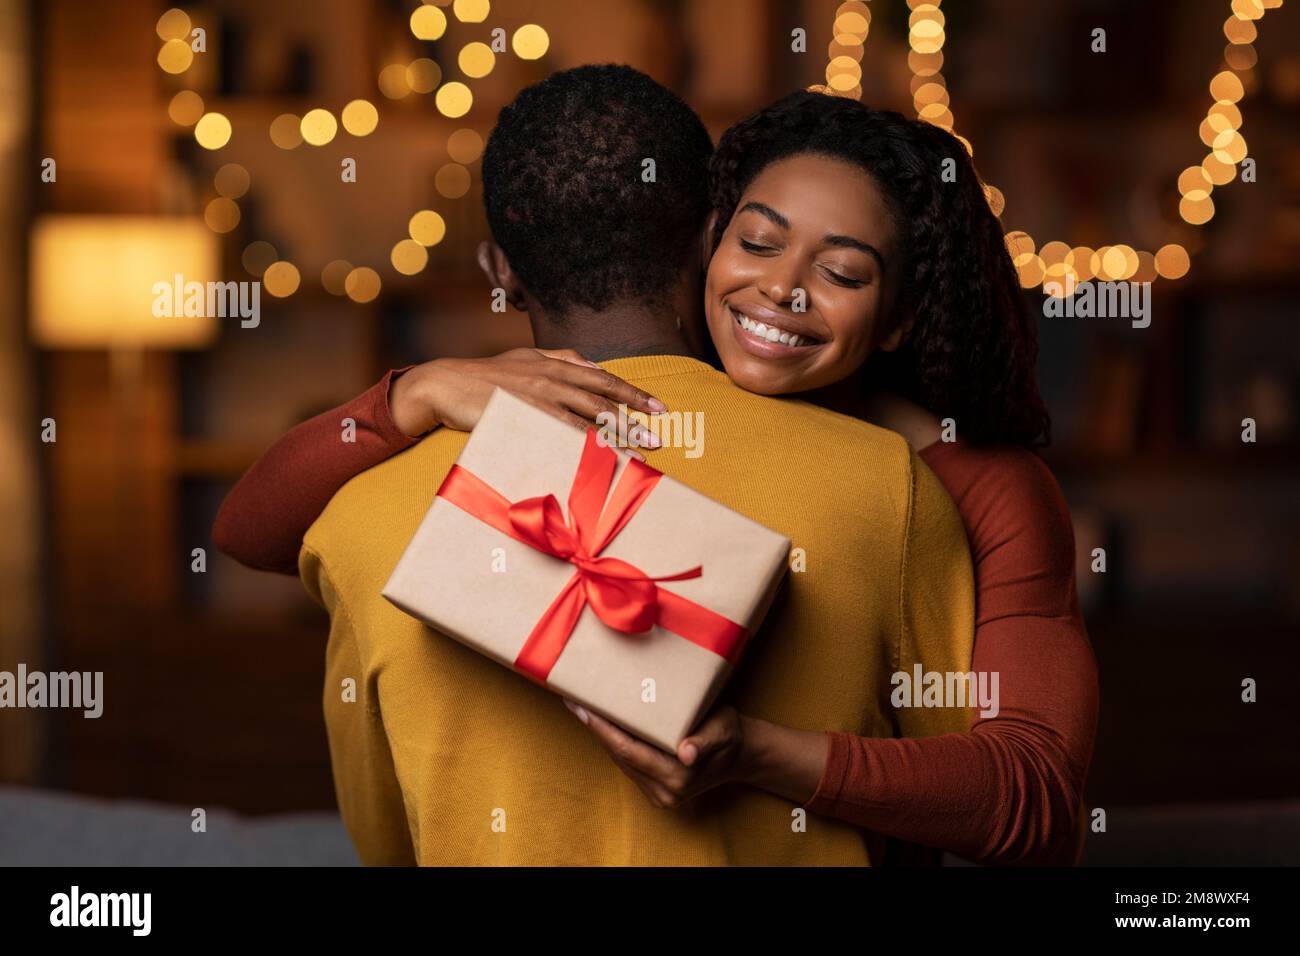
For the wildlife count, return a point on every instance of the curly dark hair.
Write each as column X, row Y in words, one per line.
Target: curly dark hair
column 971, row 353
column 562, row 183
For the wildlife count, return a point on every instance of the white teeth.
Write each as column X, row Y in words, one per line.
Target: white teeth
column 770, row 333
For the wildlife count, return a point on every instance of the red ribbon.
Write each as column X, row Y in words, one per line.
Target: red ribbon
column 623, row 596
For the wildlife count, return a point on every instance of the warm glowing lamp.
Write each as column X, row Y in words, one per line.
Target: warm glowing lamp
column 95, row 282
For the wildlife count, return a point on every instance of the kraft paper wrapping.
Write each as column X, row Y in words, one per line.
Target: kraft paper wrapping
column 446, row 578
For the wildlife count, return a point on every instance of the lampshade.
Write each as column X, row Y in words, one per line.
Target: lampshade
column 94, row 279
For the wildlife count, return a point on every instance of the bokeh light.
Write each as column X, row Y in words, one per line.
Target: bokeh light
column 281, row 279
column 392, row 81
column 173, row 25
column 465, row 146
column 286, row 131
column 427, row 227
column 1172, row 261
column 258, row 256
column 175, row 56
column 452, row 180
column 212, row 131
column 221, row 214
column 454, row 100
column 428, row 23
column 360, row 118
column 423, row 75
column 334, row 277
column 362, row 284
column 471, row 11
column 530, row 42
column 476, row 59
column 185, row 108
column 232, row 180
column 409, row 257
column 319, row 127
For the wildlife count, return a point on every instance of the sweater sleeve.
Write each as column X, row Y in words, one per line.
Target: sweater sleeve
column 263, row 519
column 1010, row 790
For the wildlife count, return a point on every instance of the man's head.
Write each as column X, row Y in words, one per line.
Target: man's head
column 581, row 222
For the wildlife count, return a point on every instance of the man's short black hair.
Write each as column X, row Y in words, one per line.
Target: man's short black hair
column 565, row 195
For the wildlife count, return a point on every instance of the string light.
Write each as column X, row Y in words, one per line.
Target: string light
column 427, row 227
column 286, row 131
column 476, row 60
column 173, row 25
column 257, row 256
column 281, row 279
column 231, row 180
column 530, row 42
column 334, row 277
column 423, row 75
column 359, row 117
column 221, row 214
column 185, row 108
column 454, row 99
column 212, row 131
column 428, row 23
column 471, row 11
column 452, row 180
column 362, row 284
column 465, row 146
column 1220, row 131
column 409, row 257
column 319, row 127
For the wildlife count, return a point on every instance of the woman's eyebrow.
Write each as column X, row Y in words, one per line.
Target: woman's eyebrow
column 844, row 242
column 768, row 212
column 848, row 242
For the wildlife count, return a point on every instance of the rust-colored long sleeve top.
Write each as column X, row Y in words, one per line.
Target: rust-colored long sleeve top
column 1009, row 791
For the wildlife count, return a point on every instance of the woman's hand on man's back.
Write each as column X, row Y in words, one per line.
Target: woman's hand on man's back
column 454, row 391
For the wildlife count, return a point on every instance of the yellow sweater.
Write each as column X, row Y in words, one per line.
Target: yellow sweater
column 445, row 757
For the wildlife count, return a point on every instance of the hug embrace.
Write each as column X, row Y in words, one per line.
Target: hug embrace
column 849, row 325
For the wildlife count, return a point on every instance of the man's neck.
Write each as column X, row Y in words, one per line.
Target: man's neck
column 620, row 331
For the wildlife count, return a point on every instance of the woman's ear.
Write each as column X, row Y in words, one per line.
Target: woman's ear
column 496, row 269
column 898, row 336
column 706, row 240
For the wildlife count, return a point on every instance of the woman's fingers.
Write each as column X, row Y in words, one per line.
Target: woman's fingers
column 605, row 413
column 634, row 753
column 655, row 792
column 601, row 411
column 567, row 355
column 599, row 382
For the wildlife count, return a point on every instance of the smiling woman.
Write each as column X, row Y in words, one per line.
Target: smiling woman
column 798, row 282
column 832, row 221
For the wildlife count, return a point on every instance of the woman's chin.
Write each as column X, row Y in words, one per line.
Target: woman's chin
column 755, row 376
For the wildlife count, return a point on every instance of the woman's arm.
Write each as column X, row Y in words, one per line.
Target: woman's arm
column 263, row 519
column 1009, row 791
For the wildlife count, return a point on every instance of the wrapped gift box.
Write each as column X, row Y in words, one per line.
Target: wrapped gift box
column 538, row 552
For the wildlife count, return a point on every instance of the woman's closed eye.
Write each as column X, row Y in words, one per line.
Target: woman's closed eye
column 757, row 248
column 840, row 279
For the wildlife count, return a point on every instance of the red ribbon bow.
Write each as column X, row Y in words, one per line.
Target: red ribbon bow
column 623, row 596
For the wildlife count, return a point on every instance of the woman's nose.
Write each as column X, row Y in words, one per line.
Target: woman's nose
column 780, row 279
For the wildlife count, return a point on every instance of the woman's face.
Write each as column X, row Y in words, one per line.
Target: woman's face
column 818, row 225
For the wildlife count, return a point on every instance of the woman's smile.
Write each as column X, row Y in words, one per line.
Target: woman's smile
column 769, row 334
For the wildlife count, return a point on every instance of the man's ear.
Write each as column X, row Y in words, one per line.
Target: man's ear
column 496, row 269
column 706, row 240
column 898, row 336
